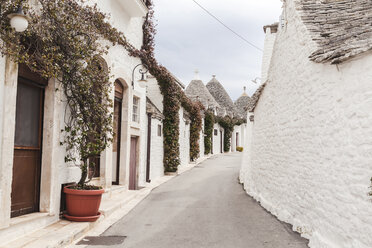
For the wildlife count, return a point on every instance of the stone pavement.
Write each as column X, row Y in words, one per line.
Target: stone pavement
column 204, row 207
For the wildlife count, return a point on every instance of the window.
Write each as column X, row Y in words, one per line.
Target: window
column 135, row 115
column 159, row 130
column 215, row 132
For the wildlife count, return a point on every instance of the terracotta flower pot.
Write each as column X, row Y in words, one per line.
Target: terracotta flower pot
column 83, row 205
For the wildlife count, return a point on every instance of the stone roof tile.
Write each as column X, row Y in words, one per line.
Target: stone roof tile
column 196, row 90
column 254, row 99
column 341, row 28
column 220, row 95
column 241, row 105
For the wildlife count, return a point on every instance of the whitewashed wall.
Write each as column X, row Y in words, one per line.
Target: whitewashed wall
column 311, row 159
column 268, row 51
column 2, row 78
column 154, row 93
column 201, row 141
column 217, row 139
column 240, row 131
column 54, row 171
column 184, row 139
column 157, row 145
column 157, row 152
column 142, row 141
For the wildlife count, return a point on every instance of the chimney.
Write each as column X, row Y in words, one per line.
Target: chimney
column 196, row 77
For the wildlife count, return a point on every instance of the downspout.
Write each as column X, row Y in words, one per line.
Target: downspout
column 148, row 163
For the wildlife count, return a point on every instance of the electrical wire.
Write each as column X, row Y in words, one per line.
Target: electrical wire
column 223, row 24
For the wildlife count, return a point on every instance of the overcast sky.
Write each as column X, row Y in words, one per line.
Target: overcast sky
column 188, row 39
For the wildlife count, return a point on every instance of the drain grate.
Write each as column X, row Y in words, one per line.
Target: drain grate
column 102, row 240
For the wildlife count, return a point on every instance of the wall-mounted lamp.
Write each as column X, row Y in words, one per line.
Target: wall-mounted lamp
column 18, row 20
column 142, row 82
column 255, row 80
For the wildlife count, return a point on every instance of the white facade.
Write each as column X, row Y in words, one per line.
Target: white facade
column 217, row 139
column 157, row 152
column 54, row 172
column 309, row 161
column 201, row 141
column 268, row 50
column 184, row 139
column 238, row 136
column 157, row 138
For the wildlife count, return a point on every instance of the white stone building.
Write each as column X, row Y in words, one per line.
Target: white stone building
column 123, row 164
column 184, row 138
column 214, row 97
column 308, row 147
column 154, row 159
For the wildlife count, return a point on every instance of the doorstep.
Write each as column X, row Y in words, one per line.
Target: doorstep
column 116, row 203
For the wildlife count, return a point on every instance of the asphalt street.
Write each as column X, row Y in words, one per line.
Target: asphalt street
column 204, row 207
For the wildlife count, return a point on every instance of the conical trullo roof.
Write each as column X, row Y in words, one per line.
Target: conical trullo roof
column 241, row 104
column 220, row 95
column 197, row 91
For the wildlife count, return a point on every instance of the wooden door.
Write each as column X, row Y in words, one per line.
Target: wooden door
column 133, row 164
column 119, row 89
column 27, row 143
column 237, row 140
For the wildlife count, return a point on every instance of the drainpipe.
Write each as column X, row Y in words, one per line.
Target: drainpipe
column 148, row 147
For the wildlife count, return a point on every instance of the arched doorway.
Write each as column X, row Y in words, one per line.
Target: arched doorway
column 118, row 101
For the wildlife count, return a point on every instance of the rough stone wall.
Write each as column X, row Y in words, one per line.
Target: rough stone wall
column 184, row 139
column 311, row 160
column 221, row 96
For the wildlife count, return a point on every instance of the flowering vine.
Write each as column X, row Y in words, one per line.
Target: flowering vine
column 63, row 36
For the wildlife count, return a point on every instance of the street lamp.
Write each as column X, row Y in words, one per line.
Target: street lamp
column 142, row 82
column 18, row 20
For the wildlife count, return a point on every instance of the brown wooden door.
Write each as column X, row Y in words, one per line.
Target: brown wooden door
column 133, row 164
column 116, row 142
column 119, row 91
column 27, row 144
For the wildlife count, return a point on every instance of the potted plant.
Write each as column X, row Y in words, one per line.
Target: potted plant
column 87, row 133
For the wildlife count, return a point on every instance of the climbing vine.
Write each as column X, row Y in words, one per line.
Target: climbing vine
column 194, row 109
column 63, row 36
column 208, row 131
column 174, row 98
column 228, row 124
column 62, row 42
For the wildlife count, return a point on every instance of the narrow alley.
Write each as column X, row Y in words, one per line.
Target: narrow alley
column 204, row 207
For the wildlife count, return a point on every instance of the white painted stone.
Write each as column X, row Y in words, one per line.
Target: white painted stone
column 217, row 139
column 154, row 93
column 309, row 161
column 54, row 171
column 201, row 141
column 157, row 152
column 184, row 139
column 267, row 54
